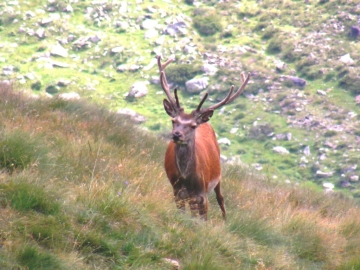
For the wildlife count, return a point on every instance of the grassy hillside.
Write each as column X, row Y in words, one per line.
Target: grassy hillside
column 82, row 188
column 273, row 40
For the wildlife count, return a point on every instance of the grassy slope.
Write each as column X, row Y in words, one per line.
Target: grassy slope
column 302, row 31
column 81, row 188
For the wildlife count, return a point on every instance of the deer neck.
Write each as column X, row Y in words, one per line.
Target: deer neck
column 185, row 158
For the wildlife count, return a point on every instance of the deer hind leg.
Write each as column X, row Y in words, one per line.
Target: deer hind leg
column 220, row 199
column 199, row 206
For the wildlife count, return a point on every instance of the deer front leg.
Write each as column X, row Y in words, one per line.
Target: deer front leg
column 181, row 196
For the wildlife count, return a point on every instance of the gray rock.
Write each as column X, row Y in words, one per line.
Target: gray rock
column 178, row 28
column 40, row 33
column 225, row 141
column 138, row 89
column 280, row 150
column 209, row 69
column 7, row 70
column 69, row 96
column 134, row 116
column 321, row 174
column 149, row 24
column 122, row 68
column 58, row 50
column 196, row 85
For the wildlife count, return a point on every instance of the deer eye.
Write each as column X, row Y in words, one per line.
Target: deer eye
column 193, row 125
column 173, row 120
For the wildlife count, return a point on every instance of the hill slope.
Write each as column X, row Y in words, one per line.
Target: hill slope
column 303, row 57
column 82, row 188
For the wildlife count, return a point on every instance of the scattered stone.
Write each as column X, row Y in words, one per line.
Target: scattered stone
column 280, row 150
column 355, row 31
column 122, row 68
column 209, row 69
column 307, row 150
column 69, row 96
column 225, row 141
column 118, row 49
column 149, row 24
column 174, row 264
column 354, row 178
column 58, row 50
column 346, row 59
column 196, row 85
column 134, row 116
column 321, row 174
column 40, row 33
column 138, row 89
column 328, row 187
column 321, row 92
column 178, row 28
column 8, row 70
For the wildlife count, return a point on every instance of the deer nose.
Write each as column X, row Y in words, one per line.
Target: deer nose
column 176, row 136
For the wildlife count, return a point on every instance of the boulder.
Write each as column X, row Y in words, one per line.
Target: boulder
column 138, row 89
column 134, row 116
column 58, row 50
column 69, row 96
column 197, row 85
column 178, row 28
column 209, row 69
column 280, row 150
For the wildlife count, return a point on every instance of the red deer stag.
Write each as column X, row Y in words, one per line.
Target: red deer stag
column 192, row 159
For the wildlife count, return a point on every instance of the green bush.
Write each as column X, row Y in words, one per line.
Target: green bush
column 207, row 23
column 350, row 82
column 274, row 46
column 181, row 73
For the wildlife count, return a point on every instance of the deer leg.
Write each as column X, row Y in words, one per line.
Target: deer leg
column 199, row 206
column 220, row 200
column 181, row 196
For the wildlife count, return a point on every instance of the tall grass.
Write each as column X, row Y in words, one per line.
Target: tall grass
column 93, row 195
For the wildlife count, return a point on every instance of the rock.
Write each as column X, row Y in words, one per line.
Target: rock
column 225, row 141
column 138, row 89
column 174, row 264
column 51, row 89
column 63, row 83
column 68, row 9
column 209, row 69
column 189, row 49
column 346, row 59
column 307, row 150
column 151, row 33
column 357, row 100
column 321, row 92
column 95, row 39
column 329, row 187
column 196, row 85
column 122, row 68
column 178, row 28
column 69, row 96
column 40, row 33
column 149, row 24
column 223, row 158
column 280, row 150
column 297, row 81
column 58, row 50
column 354, row 178
column 7, row 70
column 354, row 32
column 280, row 66
column 134, row 116
column 123, row 25
column 118, row 49
column 321, row 174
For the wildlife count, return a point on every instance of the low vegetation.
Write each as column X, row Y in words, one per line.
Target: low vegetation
column 87, row 191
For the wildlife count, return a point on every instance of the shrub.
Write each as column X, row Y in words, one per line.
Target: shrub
column 274, row 46
column 181, row 73
column 351, row 82
column 207, row 23
column 269, row 32
column 36, row 85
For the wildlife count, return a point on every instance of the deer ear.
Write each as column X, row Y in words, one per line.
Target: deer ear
column 203, row 118
column 169, row 108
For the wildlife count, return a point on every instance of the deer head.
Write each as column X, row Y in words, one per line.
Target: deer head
column 184, row 124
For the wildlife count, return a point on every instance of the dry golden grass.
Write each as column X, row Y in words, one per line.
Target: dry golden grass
column 117, row 210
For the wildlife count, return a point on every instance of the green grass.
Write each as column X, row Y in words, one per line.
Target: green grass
column 100, row 199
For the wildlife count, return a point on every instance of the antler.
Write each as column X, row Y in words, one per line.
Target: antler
column 228, row 99
column 175, row 103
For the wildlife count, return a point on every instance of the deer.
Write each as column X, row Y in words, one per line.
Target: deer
column 192, row 159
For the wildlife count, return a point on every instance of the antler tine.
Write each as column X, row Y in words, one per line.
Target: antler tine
column 163, row 80
column 215, row 106
column 202, row 102
column 245, row 80
column 176, row 98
